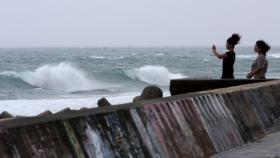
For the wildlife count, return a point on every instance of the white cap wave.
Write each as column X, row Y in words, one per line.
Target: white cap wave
column 158, row 75
column 253, row 56
column 62, row 76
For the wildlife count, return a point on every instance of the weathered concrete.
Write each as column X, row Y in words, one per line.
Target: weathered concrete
column 189, row 125
column 267, row 147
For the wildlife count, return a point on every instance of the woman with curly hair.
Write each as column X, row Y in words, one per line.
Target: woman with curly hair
column 228, row 57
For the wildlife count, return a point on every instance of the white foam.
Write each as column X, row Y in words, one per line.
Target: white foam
column 62, row 77
column 275, row 56
column 110, row 58
column 114, row 58
column 158, row 75
column 269, row 55
column 97, row 57
column 35, row 107
column 159, row 54
column 9, row 73
column 246, row 56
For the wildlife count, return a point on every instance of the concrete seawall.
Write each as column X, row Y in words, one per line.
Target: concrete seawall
column 194, row 125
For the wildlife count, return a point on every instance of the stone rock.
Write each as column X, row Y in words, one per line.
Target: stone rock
column 103, row 102
column 149, row 92
column 45, row 113
column 5, row 114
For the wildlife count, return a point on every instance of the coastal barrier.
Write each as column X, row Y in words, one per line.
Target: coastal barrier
column 188, row 85
column 192, row 125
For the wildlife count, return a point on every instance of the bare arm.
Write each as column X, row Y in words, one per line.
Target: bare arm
column 252, row 73
column 218, row 55
column 260, row 65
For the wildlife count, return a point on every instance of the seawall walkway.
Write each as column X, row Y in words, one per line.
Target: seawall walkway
column 193, row 125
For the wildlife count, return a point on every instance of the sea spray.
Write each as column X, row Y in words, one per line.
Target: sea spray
column 62, row 77
column 158, row 75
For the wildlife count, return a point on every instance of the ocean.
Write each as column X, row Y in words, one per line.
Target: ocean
column 33, row 80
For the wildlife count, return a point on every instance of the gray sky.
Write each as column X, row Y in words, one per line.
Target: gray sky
column 80, row 23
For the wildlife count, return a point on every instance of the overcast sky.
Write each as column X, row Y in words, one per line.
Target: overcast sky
column 81, row 23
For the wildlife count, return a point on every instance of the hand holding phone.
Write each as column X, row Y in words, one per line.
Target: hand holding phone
column 214, row 48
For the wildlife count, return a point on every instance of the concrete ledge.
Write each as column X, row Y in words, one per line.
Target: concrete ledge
column 194, row 125
column 182, row 86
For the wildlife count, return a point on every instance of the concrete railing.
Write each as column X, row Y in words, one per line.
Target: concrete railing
column 194, row 125
column 189, row 85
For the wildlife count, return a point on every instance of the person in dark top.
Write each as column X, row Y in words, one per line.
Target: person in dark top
column 228, row 57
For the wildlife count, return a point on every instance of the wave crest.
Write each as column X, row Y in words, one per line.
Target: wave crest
column 253, row 56
column 158, row 75
column 103, row 57
column 62, row 76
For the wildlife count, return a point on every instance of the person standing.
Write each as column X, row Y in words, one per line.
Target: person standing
column 228, row 57
column 259, row 66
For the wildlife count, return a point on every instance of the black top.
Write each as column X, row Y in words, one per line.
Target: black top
column 228, row 65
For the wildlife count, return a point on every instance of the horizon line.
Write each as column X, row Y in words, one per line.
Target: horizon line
column 189, row 46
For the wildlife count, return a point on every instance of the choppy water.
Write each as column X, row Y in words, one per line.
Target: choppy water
column 64, row 73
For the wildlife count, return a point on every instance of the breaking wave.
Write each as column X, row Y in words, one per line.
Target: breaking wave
column 158, row 75
column 62, row 77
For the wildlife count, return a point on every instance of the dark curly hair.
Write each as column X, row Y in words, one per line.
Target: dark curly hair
column 264, row 47
column 234, row 39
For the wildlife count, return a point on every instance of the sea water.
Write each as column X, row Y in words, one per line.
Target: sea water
column 33, row 80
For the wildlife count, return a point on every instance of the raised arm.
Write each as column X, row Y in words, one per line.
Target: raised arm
column 218, row 55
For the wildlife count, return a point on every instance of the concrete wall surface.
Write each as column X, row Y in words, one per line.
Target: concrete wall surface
column 192, row 125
